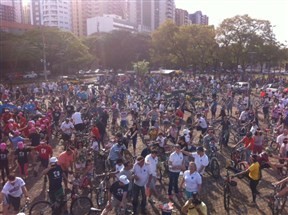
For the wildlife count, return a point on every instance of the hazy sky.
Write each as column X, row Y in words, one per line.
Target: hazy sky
column 276, row 11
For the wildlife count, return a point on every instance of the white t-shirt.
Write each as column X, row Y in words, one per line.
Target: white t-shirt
column 243, row 116
column 67, row 128
column 253, row 129
column 202, row 123
column 77, row 118
column 192, row 181
column 176, row 160
column 200, row 161
column 14, row 190
column 118, row 168
column 95, row 146
column 152, row 163
column 280, row 139
column 142, row 173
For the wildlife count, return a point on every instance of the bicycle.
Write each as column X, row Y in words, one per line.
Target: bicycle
column 214, row 166
column 277, row 204
column 24, row 208
column 228, row 182
column 79, row 205
column 102, row 190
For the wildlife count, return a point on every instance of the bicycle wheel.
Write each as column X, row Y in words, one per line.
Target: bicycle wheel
column 273, row 145
column 41, row 208
column 226, row 197
column 101, row 198
column 215, row 168
column 81, row 205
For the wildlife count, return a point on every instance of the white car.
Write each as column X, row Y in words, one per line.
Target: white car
column 30, row 75
column 270, row 87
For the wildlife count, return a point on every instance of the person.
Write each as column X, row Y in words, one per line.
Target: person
column 77, row 121
column 117, row 195
column 254, row 176
column 258, row 142
column 152, row 161
column 192, row 181
column 208, row 138
column 116, row 151
column 248, row 141
column 176, row 165
column 44, row 153
column 280, row 138
column 127, row 170
column 142, row 175
column 12, row 192
column 194, row 206
column 55, row 176
column 66, row 161
column 132, row 134
column 4, row 164
column 21, row 154
column 201, row 124
column 283, row 192
column 200, row 158
column 67, row 129
column 225, row 131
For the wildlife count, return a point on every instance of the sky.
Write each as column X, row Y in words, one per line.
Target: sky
column 276, row 11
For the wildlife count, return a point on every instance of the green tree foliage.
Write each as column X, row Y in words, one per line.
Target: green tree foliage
column 180, row 47
column 245, row 41
column 63, row 51
column 117, row 49
column 141, row 67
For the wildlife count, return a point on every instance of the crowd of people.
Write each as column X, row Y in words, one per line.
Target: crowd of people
column 150, row 117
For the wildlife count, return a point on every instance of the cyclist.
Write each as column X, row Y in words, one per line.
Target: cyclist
column 117, row 195
column 66, row 161
column 55, row 175
column 44, row 153
column 248, row 141
column 12, row 192
column 67, row 128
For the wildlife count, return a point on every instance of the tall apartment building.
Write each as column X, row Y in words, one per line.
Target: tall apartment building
column 181, row 17
column 53, row 13
column 17, row 7
column 199, row 18
column 149, row 15
column 7, row 13
column 85, row 9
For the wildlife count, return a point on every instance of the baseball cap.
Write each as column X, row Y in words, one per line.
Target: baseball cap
column 124, row 179
column 200, row 148
column 53, row 160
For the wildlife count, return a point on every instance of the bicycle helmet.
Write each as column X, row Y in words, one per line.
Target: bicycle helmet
column 53, row 160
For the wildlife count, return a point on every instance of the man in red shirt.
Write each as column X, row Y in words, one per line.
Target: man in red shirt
column 95, row 132
column 248, row 141
column 45, row 152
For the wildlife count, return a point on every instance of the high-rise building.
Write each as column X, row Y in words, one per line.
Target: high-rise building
column 149, row 15
column 17, row 7
column 199, row 18
column 7, row 13
column 53, row 13
column 181, row 17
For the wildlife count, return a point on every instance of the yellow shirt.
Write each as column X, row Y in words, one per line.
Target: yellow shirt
column 254, row 171
column 193, row 211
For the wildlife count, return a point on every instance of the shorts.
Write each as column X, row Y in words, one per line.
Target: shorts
column 56, row 195
column 115, row 202
column 153, row 183
column 66, row 137
column 14, row 201
column 44, row 162
column 79, row 127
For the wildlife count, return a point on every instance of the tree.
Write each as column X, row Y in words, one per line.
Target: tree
column 242, row 39
column 141, row 67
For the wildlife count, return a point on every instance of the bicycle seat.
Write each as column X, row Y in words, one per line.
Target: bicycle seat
column 95, row 210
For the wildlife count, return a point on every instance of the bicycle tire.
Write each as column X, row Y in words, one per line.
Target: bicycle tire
column 41, row 208
column 101, row 198
column 81, row 205
column 215, row 168
column 273, row 145
column 226, row 197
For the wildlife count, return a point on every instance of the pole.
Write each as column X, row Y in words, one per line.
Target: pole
column 44, row 55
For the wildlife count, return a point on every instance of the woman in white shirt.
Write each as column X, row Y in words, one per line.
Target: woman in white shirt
column 192, row 180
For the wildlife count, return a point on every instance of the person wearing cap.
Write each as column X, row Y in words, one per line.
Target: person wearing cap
column 21, row 154
column 4, row 163
column 200, row 158
column 176, row 165
column 194, row 206
column 249, row 142
column 142, row 176
column 152, row 161
column 12, row 193
column 44, row 153
column 67, row 128
column 55, row 176
column 117, row 195
column 255, row 175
